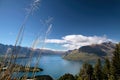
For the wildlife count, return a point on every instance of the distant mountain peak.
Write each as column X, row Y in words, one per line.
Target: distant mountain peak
column 97, row 50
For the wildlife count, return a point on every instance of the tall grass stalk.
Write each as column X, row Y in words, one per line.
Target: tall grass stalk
column 8, row 73
column 44, row 43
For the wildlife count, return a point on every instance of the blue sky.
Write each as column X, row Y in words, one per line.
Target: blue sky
column 75, row 23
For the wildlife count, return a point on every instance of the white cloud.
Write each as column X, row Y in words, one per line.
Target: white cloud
column 57, row 41
column 76, row 41
column 53, row 49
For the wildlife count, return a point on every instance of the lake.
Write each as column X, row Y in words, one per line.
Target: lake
column 54, row 66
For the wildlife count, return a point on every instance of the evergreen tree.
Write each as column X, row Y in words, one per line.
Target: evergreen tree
column 106, row 69
column 86, row 72
column 115, row 64
column 98, row 70
column 89, row 71
column 67, row 77
column 83, row 73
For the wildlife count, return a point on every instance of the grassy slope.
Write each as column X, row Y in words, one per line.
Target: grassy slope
column 75, row 55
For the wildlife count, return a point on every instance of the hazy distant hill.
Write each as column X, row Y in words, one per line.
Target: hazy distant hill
column 91, row 52
column 25, row 51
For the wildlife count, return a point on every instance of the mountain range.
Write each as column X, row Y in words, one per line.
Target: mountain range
column 25, row 51
column 91, row 52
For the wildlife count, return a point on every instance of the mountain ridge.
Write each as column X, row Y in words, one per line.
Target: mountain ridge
column 26, row 51
column 91, row 52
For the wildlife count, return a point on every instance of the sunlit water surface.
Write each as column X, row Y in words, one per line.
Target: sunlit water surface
column 54, row 66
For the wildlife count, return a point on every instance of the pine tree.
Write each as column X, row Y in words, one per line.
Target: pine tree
column 86, row 72
column 89, row 71
column 98, row 70
column 83, row 74
column 115, row 64
column 106, row 69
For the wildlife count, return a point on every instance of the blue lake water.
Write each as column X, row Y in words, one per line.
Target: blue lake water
column 54, row 66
